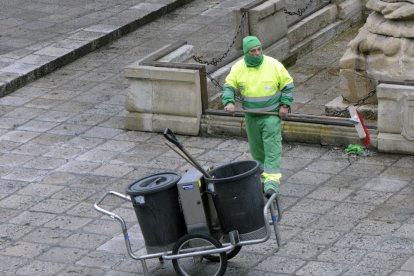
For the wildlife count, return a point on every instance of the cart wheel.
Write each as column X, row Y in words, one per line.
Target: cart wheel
column 194, row 265
column 230, row 254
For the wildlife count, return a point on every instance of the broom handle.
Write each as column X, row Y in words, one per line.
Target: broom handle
column 362, row 133
column 291, row 115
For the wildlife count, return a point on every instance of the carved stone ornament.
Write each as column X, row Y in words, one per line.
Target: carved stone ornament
column 382, row 50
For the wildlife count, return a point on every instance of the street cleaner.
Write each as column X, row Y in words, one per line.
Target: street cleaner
column 264, row 85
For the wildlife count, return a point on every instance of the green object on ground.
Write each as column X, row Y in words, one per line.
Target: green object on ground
column 354, row 149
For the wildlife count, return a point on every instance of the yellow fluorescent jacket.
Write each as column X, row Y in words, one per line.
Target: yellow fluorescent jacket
column 263, row 88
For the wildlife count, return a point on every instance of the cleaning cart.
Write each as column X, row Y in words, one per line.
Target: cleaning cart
column 201, row 219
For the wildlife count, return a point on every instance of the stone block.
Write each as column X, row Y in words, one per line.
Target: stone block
column 312, row 24
column 140, row 96
column 355, row 86
column 179, row 124
column 325, row 35
column 160, row 97
column 394, row 143
column 139, row 121
column 135, row 70
column 279, row 50
column 180, row 55
column 396, row 118
column 349, row 8
column 390, row 118
column 337, row 105
column 267, row 21
column 223, row 125
column 176, row 98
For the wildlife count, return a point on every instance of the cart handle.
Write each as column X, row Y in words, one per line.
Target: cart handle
column 106, row 212
column 170, row 136
column 120, row 220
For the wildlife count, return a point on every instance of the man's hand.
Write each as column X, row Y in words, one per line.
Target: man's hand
column 230, row 108
column 283, row 111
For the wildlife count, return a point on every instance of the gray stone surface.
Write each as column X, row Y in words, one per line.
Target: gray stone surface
column 62, row 145
column 37, row 36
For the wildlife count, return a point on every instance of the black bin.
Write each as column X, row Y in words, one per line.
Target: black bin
column 238, row 198
column 156, row 204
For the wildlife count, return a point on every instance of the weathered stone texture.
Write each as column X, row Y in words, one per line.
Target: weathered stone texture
column 393, row 9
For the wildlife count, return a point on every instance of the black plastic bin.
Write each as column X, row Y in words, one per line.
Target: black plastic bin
column 238, row 198
column 156, row 204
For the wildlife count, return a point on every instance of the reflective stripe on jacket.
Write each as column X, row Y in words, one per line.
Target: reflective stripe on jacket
column 262, row 88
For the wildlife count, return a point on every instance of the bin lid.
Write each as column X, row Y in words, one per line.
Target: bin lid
column 153, row 184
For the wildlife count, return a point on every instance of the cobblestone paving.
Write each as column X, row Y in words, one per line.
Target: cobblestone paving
column 62, row 145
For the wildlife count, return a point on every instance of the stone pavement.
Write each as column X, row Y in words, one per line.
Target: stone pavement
column 62, row 146
column 38, row 36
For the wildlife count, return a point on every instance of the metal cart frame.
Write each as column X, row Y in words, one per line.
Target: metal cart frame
column 275, row 216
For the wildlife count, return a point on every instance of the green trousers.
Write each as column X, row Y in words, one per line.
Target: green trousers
column 264, row 133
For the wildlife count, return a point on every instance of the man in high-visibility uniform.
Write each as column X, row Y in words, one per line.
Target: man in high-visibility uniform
column 264, row 85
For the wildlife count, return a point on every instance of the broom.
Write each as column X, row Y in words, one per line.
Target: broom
column 356, row 118
column 360, row 125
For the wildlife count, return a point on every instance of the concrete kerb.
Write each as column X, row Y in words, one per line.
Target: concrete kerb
column 86, row 40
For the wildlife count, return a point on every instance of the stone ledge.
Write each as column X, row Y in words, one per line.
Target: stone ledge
column 369, row 111
column 311, row 24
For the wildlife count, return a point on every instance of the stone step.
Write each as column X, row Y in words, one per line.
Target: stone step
column 319, row 37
